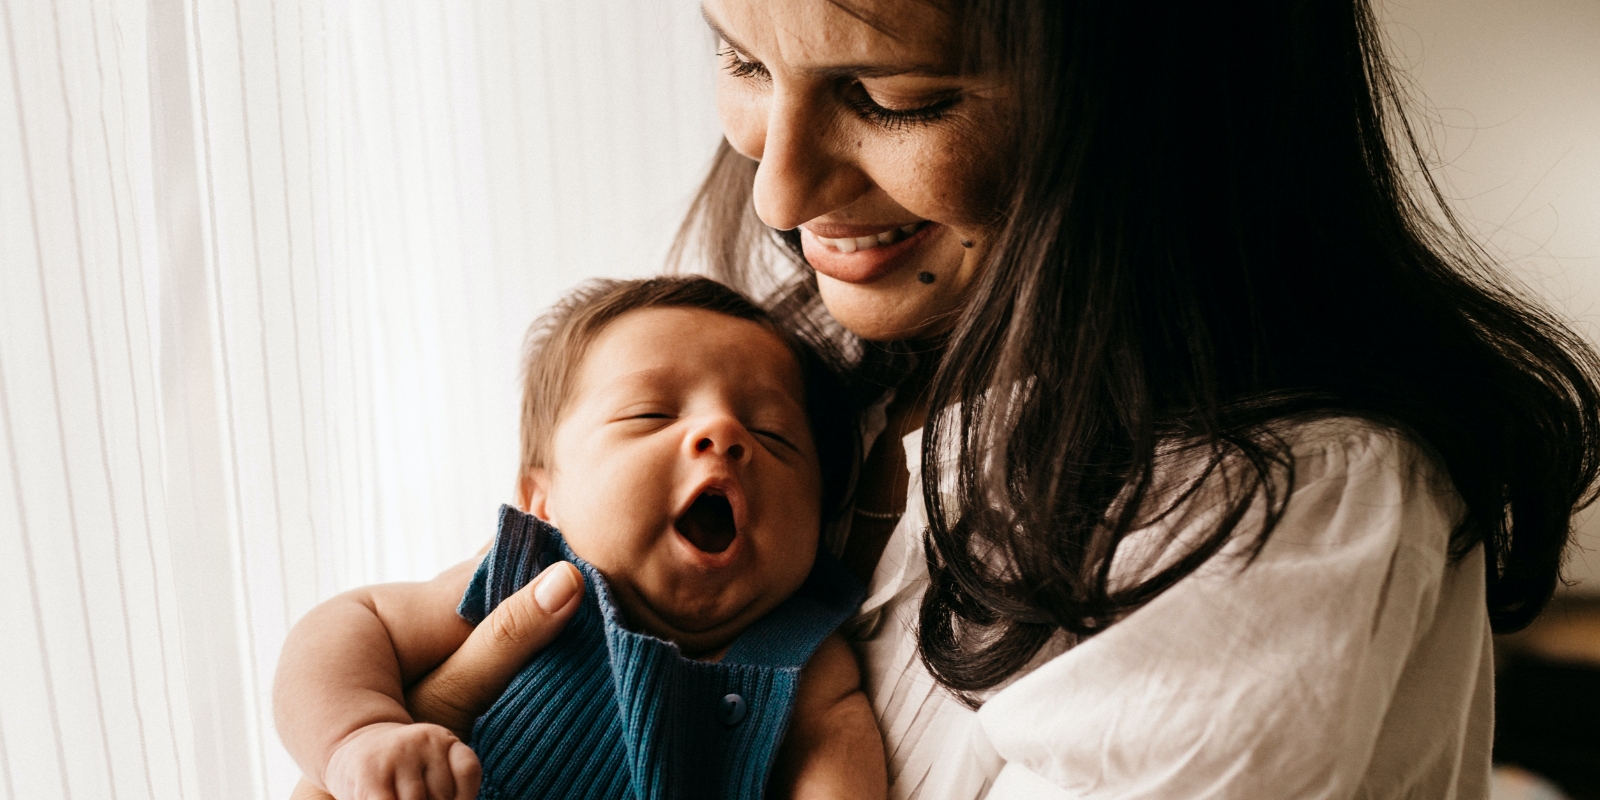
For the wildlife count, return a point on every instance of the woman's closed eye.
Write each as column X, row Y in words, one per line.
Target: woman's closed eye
column 893, row 115
column 876, row 110
column 740, row 67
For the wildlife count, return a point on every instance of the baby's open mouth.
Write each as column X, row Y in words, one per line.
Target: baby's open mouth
column 708, row 523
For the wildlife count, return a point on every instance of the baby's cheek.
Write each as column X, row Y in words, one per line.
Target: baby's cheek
column 792, row 557
column 605, row 548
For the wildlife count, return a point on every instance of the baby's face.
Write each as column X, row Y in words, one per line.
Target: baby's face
column 684, row 470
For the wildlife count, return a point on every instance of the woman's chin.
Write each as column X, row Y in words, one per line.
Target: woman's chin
column 917, row 295
column 894, row 308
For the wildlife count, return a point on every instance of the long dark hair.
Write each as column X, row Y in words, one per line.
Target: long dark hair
column 1210, row 231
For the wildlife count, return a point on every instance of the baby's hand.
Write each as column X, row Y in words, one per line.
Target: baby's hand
column 392, row 761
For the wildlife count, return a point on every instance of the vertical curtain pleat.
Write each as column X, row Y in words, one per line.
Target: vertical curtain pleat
column 93, row 703
column 267, row 267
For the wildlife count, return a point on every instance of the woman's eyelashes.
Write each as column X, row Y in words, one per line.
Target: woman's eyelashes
column 860, row 100
column 743, row 68
column 853, row 93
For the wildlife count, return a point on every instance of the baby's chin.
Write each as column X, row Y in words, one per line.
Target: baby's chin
column 701, row 612
column 702, row 630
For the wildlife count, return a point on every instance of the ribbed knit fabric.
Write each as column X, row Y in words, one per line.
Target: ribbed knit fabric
column 604, row 712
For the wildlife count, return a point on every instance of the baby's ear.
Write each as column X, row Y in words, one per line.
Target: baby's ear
column 533, row 492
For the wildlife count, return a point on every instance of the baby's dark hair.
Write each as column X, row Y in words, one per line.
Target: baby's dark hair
column 559, row 339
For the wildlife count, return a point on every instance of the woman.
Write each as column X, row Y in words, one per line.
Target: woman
column 1231, row 451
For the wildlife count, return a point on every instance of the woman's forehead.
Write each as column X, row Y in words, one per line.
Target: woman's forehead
column 853, row 37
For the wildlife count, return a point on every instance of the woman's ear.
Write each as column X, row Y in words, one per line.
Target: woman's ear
column 533, row 492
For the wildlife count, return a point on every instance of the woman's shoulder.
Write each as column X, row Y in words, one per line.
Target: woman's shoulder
column 1359, row 482
column 1319, row 448
column 1329, row 447
column 1337, row 486
column 1355, row 477
column 1318, row 456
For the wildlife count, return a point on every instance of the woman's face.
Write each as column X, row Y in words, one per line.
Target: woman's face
column 870, row 142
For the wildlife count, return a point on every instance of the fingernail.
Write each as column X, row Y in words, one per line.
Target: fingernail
column 556, row 588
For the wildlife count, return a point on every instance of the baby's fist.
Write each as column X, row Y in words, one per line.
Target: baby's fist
column 391, row 761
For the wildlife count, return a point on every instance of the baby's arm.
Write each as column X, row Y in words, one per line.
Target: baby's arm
column 833, row 748
column 339, row 694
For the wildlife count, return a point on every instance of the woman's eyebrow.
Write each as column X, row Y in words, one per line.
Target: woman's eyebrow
column 844, row 70
column 721, row 34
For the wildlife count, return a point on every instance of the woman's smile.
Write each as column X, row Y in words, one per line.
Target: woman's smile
column 865, row 256
column 850, row 238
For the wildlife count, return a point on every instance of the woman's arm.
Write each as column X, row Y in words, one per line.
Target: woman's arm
column 833, row 747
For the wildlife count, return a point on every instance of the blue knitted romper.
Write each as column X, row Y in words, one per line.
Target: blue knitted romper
column 604, row 712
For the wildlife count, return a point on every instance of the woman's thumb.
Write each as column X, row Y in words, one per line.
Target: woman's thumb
column 464, row 686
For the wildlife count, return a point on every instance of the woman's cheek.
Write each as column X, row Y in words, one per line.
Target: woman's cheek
column 928, row 176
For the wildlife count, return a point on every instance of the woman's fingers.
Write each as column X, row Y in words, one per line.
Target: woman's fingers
column 463, row 687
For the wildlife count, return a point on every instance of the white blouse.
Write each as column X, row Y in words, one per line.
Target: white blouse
column 1351, row 659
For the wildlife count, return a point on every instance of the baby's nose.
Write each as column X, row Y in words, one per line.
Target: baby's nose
column 734, row 451
column 721, row 436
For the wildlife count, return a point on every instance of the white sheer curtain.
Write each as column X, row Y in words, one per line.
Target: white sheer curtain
column 267, row 264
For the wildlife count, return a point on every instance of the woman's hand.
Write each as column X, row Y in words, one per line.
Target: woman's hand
column 467, row 683
column 462, row 688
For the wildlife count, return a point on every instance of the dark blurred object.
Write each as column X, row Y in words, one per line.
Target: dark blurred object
column 1516, row 783
column 1547, row 697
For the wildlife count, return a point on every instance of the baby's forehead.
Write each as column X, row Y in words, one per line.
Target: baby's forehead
column 661, row 347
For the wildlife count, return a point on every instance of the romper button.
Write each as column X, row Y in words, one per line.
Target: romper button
column 732, row 710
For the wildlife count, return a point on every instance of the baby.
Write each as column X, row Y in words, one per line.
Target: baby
column 671, row 444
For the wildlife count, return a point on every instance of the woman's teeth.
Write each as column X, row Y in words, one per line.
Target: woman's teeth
column 869, row 242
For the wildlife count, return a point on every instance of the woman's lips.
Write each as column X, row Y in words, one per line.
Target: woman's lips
column 864, row 264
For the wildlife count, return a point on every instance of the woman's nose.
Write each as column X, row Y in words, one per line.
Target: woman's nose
column 720, row 436
column 804, row 172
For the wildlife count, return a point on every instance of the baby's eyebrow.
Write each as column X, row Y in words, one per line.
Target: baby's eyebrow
column 645, row 376
column 620, row 386
column 781, row 396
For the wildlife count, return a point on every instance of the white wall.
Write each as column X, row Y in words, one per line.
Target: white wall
column 1513, row 89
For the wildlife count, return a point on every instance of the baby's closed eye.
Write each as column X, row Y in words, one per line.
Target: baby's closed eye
column 777, row 438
